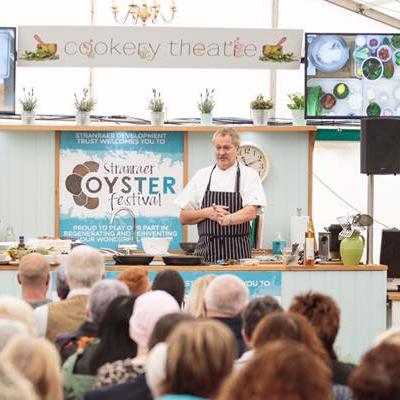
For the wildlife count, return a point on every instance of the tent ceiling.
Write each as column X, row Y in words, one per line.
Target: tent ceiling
column 385, row 11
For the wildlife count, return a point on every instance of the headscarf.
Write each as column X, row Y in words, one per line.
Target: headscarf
column 148, row 309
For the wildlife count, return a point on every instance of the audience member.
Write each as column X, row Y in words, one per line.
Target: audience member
column 171, row 282
column 156, row 368
column 200, row 356
column 255, row 311
column 137, row 280
column 34, row 277
column 288, row 326
column 18, row 310
column 101, row 295
column 61, row 283
column 13, row 386
column 148, row 309
column 378, row 375
column 10, row 328
column 324, row 314
column 85, row 266
column 225, row 298
column 137, row 388
column 280, row 370
column 195, row 301
column 80, row 369
column 115, row 342
column 39, row 362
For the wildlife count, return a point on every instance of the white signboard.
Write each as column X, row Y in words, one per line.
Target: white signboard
column 158, row 47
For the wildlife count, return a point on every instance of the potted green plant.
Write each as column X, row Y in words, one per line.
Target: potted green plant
column 29, row 105
column 260, row 108
column 156, row 107
column 83, row 106
column 206, row 106
column 297, row 106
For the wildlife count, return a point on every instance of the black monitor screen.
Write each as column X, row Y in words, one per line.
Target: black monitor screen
column 352, row 75
column 7, row 70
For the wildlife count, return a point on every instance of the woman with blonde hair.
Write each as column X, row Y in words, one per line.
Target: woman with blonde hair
column 13, row 386
column 195, row 302
column 281, row 370
column 38, row 361
column 199, row 357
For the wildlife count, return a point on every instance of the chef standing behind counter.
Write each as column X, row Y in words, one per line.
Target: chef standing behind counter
column 222, row 199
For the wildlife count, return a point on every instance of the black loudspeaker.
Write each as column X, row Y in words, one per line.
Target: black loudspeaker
column 380, row 146
column 390, row 252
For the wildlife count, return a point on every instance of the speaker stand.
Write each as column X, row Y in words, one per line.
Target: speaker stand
column 370, row 229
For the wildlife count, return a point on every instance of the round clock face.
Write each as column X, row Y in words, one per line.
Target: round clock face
column 254, row 157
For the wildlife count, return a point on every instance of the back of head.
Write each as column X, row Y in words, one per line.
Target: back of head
column 148, row 309
column 10, row 328
column 137, row 280
column 18, row 310
column 324, row 314
column 171, row 282
column 34, row 270
column 39, row 362
column 61, row 283
column 195, row 300
column 378, row 375
column 85, row 266
column 115, row 343
column 165, row 325
column 281, row 370
column 13, row 386
column 288, row 326
column 257, row 309
column 200, row 356
column 226, row 295
column 101, row 295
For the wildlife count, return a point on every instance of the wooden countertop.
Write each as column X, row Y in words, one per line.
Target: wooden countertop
column 239, row 267
column 46, row 125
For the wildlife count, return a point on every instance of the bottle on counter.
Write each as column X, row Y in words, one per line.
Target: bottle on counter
column 309, row 248
column 21, row 243
column 278, row 244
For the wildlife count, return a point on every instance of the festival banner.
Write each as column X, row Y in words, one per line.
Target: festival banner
column 159, row 47
column 113, row 181
column 259, row 283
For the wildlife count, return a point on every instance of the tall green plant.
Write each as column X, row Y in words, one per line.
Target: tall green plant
column 207, row 102
column 297, row 101
column 29, row 101
column 85, row 103
column 156, row 103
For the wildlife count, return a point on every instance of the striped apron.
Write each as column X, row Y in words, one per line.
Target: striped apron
column 218, row 242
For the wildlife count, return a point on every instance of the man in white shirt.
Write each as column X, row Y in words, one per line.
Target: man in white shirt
column 222, row 199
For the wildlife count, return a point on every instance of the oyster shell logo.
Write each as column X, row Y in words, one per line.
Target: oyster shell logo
column 73, row 183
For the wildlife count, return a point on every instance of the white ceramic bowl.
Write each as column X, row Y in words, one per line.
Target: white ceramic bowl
column 156, row 246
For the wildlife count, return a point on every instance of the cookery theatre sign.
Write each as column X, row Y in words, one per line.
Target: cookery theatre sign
column 158, row 47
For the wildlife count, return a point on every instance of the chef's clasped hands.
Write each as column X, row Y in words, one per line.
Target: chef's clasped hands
column 221, row 215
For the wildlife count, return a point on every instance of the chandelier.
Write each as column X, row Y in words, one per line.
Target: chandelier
column 142, row 12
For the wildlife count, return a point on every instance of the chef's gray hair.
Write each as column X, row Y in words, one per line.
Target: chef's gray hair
column 85, row 266
column 233, row 133
column 226, row 294
column 102, row 294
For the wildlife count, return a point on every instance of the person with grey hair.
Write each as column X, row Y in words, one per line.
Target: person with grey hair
column 254, row 312
column 224, row 300
column 221, row 200
column 84, row 267
column 34, row 277
column 61, row 283
column 10, row 328
column 102, row 294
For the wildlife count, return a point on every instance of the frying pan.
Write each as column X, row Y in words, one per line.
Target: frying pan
column 133, row 259
column 183, row 260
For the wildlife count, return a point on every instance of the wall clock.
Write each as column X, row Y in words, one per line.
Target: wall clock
column 254, row 157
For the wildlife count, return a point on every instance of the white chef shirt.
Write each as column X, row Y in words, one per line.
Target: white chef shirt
column 250, row 188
